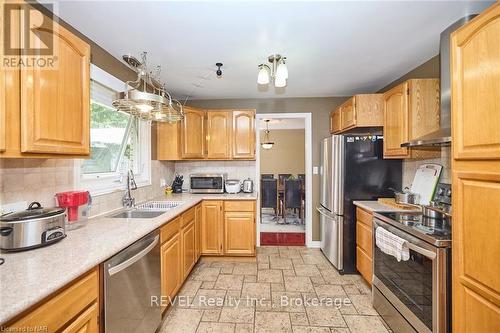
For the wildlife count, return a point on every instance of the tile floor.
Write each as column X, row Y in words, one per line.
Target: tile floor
column 285, row 289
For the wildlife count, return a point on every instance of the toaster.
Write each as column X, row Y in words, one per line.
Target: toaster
column 232, row 186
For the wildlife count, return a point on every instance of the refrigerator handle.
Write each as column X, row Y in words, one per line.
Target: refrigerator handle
column 325, row 212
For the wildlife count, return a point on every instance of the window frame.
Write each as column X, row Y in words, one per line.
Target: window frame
column 109, row 182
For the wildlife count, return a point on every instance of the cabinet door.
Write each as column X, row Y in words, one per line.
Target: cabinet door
column 243, row 134
column 3, row 114
column 87, row 322
column 168, row 141
column 211, row 228
column 55, row 103
column 193, row 133
column 219, row 134
column 171, row 267
column 335, row 121
column 188, row 248
column 239, row 233
column 475, row 113
column 396, row 121
column 197, row 231
column 348, row 114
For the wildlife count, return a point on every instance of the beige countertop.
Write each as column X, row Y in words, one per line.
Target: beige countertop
column 30, row 276
column 375, row 206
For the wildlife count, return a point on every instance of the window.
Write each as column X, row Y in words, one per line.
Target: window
column 118, row 141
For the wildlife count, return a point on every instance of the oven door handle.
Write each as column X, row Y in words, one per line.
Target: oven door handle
column 429, row 254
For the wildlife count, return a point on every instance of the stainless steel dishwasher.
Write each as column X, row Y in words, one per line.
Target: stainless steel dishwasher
column 131, row 279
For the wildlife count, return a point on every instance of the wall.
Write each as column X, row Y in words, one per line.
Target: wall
column 319, row 107
column 235, row 169
column 39, row 179
column 287, row 154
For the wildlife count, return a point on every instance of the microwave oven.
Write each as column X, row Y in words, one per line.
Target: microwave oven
column 207, row 182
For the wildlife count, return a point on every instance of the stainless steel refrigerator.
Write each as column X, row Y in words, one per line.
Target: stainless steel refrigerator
column 352, row 168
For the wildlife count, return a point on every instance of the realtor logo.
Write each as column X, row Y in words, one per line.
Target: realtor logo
column 27, row 36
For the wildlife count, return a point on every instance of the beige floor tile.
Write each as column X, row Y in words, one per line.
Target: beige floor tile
column 365, row 324
column 288, row 302
column 333, row 277
column 208, row 299
column 245, row 269
column 310, row 329
column 207, row 274
column 270, row 275
column 298, row 283
column 363, row 304
column 222, row 264
column 250, row 278
column 299, row 318
column 330, row 290
column 208, row 285
column 189, row 288
column 256, row 290
column 272, row 322
column 351, row 289
column 229, row 282
column 262, row 258
column 267, row 249
column 237, row 313
column 263, row 265
column 227, row 270
column 340, row 330
column 297, row 261
column 277, row 287
column 211, row 315
column 307, row 270
column 280, row 263
column 233, row 294
column 244, row 328
column 215, row 328
column 324, row 316
column 182, row 321
column 288, row 272
column 317, row 280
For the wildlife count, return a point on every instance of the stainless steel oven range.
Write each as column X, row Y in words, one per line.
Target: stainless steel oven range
column 414, row 295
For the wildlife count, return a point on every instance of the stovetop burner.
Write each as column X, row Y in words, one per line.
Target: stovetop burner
column 431, row 230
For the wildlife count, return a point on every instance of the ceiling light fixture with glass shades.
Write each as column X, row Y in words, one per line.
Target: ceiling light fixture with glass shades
column 277, row 72
column 267, row 143
column 147, row 97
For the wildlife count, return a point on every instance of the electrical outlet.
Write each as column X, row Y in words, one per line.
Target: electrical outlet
column 315, row 170
column 163, row 182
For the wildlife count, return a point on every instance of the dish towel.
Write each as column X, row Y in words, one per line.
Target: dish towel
column 391, row 244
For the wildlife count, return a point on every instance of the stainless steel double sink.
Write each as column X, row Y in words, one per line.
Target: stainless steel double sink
column 148, row 210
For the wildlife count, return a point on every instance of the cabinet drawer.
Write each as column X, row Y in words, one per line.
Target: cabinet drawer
column 364, row 264
column 239, row 206
column 170, row 229
column 188, row 217
column 364, row 216
column 64, row 306
column 364, row 238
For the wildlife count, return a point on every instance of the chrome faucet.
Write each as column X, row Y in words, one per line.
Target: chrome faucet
column 127, row 200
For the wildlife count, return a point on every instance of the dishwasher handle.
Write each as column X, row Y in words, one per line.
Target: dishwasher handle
column 130, row 261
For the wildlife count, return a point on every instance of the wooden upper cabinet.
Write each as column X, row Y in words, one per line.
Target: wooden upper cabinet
column 335, row 121
column 411, row 110
column 219, row 134
column 243, row 140
column 475, row 55
column 211, row 228
column 359, row 111
column 396, row 121
column 55, row 103
column 193, row 133
column 168, row 141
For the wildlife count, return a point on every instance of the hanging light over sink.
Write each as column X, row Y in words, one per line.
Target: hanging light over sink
column 146, row 97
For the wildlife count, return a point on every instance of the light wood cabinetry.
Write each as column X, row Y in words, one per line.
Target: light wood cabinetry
column 46, row 112
column 212, row 228
column 171, row 259
column 168, row 141
column 411, row 110
column 335, row 126
column 243, row 134
column 239, row 227
column 197, row 230
column 475, row 51
column 218, row 134
column 364, row 243
column 188, row 239
column 359, row 111
column 193, row 134
column 73, row 309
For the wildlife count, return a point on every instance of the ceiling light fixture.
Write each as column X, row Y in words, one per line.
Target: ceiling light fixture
column 147, row 97
column 267, row 144
column 278, row 71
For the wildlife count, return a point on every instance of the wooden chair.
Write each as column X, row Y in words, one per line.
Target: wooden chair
column 267, row 176
column 292, row 196
column 282, row 177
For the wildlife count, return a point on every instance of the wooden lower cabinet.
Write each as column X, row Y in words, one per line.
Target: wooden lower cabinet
column 197, row 231
column 211, row 228
column 73, row 309
column 171, row 267
column 188, row 248
column 239, row 228
column 364, row 244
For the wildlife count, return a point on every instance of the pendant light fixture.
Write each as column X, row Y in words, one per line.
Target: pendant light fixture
column 146, row 97
column 278, row 72
column 267, row 143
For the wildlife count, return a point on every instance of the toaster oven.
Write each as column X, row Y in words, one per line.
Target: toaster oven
column 207, row 182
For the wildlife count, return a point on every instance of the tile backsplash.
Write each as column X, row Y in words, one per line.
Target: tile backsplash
column 235, row 169
column 411, row 166
column 39, row 179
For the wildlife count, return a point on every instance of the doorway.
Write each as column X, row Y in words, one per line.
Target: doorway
column 284, row 179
